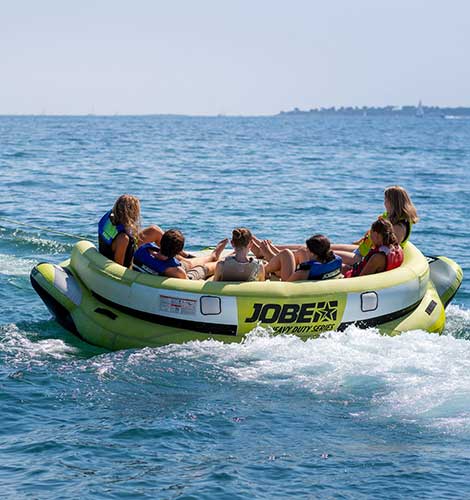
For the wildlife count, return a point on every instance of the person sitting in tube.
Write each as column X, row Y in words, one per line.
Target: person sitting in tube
column 321, row 262
column 163, row 260
column 399, row 210
column 239, row 266
column 385, row 255
column 119, row 232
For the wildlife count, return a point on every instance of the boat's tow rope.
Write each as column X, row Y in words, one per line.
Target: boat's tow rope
column 43, row 228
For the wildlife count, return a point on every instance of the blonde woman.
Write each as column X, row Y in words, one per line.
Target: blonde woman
column 399, row 210
column 119, row 231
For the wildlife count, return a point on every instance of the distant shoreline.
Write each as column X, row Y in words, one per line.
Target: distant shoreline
column 418, row 111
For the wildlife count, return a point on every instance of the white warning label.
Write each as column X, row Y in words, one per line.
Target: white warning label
column 176, row 305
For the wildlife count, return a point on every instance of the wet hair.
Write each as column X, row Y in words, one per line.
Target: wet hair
column 401, row 206
column 172, row 243
column 320, row 245
column 126, row 211
column 241, row 237
column 385, row 228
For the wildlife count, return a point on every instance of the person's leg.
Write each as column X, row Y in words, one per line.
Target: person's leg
column 202, row 272
column 283, row 264
column 269, row 250
column 204, row 260
column 301, row 255
column 349, row 258
column 256, row 248
column 290, row 247
column 343, row 247
column 151, row 234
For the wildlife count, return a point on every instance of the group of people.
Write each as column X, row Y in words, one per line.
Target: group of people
column 155, row 251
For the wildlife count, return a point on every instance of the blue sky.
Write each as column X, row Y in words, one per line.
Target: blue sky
column 233, row 57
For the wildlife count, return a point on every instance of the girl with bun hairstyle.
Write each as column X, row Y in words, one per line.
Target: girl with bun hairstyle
column 239, row 266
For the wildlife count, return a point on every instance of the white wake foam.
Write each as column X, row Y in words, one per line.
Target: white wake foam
column 15, row 266
column 417, row 376
column 18, row 348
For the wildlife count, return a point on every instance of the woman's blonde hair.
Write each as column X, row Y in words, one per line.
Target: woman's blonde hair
column 401, row 206
column 126, row 211
column 241, row 237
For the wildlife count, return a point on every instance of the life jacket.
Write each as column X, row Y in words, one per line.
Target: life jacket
column 146, row 262
column 393, row 253
column 107, row 233
column 322, row 271
column 232, row 270
column 365, row 244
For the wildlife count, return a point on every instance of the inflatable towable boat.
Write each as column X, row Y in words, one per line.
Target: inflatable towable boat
column 113, row 307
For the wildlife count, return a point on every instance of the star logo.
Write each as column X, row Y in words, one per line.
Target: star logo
column 326, row 311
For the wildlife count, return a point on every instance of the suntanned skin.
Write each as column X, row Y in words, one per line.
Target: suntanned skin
column 378, row 262
column 151, row 234
column 209, row 261
column 346, row 252
column 284, row 263
column 119, row 247
column 266, row 249
column 281, row 264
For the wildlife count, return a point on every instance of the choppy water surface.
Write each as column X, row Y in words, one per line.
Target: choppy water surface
column 350, row 415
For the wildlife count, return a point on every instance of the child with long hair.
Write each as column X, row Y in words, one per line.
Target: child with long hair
column 321, row 263
column 119, row 232
column 399, row 210
column 386, row 254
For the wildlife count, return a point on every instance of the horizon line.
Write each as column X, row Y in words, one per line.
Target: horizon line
column 234, row 115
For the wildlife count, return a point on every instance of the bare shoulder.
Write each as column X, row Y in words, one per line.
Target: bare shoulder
column 400, row 231
column 122, row 238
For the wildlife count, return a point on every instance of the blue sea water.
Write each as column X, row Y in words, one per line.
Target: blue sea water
column 350, row 415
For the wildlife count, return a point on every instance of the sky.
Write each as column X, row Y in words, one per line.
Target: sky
column 240, row 57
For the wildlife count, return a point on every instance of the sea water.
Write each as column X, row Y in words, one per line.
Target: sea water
column 349, row 415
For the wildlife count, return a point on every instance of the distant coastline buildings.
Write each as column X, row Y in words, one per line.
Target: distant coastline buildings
column 419, row 111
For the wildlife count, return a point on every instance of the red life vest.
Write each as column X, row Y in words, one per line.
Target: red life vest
column 393, row 253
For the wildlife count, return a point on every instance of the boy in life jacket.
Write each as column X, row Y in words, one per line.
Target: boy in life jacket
column 163, row 260
column 385, row 255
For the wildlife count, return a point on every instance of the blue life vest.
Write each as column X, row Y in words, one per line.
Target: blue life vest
column 322, row 271
column 144, row 261
column 107, row 232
